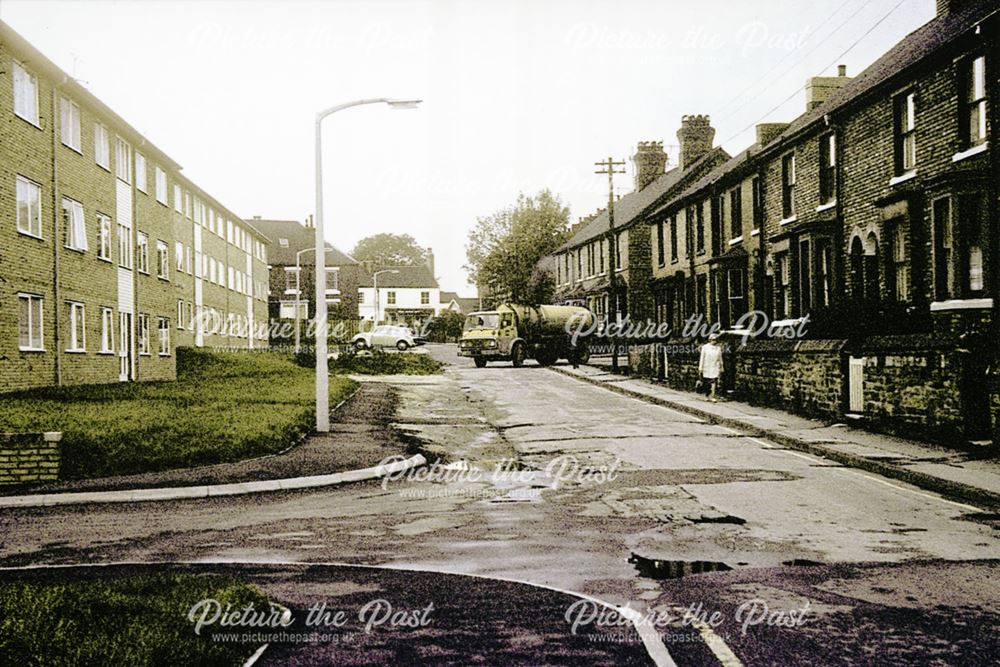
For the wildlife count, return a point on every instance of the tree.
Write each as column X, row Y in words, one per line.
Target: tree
column 504, row 249
column 390, row 250
column 445, row 327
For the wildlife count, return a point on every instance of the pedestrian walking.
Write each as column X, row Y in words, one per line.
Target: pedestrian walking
column 710, row 366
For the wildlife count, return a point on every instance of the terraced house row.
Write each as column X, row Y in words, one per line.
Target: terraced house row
column 109, row 257
column 874, row 214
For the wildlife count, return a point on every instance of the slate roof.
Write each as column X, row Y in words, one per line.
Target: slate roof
column 299, row 237
column 408, row 276
column 632, row 205
column 711, row 177
column 912, row 49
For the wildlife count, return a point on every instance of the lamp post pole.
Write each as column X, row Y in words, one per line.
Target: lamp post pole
column 322, row 365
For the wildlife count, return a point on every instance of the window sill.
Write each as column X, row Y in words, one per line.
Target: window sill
column 79, row 250
column 145, row 273
column 902, row 178
column 144, row 354
column 31, row 349
column 755, row 232
column 164, row 278
column 33, row 123
column 789, row 220
column 738, row 240
column 76, row 351
column 104, row 259
column 76, row 150
column 164, row 356
column 961, row 304
column 106, row 353
column 826, row 207
column 105, row 167
column 975, row 150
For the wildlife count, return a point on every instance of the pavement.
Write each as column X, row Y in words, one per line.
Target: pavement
column 360, row 439
column 960, row 475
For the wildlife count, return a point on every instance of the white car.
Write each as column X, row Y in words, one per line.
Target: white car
column 385, row 336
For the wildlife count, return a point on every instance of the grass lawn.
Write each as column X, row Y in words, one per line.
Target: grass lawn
column 386, row 363
column 224, row 406
column 136, row 620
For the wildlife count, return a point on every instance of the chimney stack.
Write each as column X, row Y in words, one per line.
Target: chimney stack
column 650, row 162
column 768, row 132
column 945, row 6
column 820, row 88
column 695, row 136
column 309, row 222
column 430, row 261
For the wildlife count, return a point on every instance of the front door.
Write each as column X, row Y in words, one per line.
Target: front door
column 125, row 358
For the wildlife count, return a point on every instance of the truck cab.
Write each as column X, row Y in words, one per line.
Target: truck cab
column 488, row 335
column 515, row 332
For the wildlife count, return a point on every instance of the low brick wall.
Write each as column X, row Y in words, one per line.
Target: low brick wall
column 805, row 377
column 29, row 458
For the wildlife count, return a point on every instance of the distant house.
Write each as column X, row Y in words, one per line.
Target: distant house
column 406, row 295
column 459, row 304
column 291, row 258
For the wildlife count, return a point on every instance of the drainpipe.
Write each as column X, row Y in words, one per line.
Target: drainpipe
column 993, row 111
column 56, row 216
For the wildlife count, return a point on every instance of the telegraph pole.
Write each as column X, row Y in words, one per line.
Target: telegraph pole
column 610, row 167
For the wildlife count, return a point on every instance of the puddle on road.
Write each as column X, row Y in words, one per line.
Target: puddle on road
column 654, row 568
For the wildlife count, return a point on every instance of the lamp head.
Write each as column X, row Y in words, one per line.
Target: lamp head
column 403, row 104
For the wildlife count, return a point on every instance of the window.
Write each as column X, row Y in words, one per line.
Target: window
column 161, row 185
column 600, row 256
column 187, row 260
column 142, row 253
column 124, row 246
column 390, row 298
column 673, row 238
column 102, row 148
column 29, row 207
column 107, row 331
column 361, row 296
column 103, row 237
column 178, row 199
column 974, row 102
column 699, row 233
column 579, row 265
column 805, row 279
column 123, row 160
column 783, row 280
column 76, row 328
column 757, row 195
column 661, row 258
column 29, row 312
column 719, row 221
column 179, row 256
column 900, row 270
column 944, row 270
column 76, row 230
column 143, row 334
column 788, row 186
column 163, row 329
column 736, row 212
column 283, row 243
column 187, row 205
column 906, row 133
column 425, row 298
column 737, row 294
column 566, row 269
column 824, row 266
column 618, row 251
column 162, row 260
column 69, row 123
column 140, row 172
column 972, row 229
column 828, row 169
column 25, row 94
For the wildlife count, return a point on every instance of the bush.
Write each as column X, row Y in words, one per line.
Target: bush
column 224, row 406
column 386, row 363
column 135, row 620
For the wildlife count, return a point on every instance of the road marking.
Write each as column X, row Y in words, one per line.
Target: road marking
column 651, row 639
column 715, row 643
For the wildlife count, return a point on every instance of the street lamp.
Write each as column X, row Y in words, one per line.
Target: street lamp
column 375, row 282
column 322, row 367
column 298, row 293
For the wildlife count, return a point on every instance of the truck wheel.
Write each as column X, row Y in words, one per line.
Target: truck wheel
column 545, row 357
column 517, row 355
column 480, row 362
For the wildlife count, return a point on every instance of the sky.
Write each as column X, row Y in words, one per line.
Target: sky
column 519, row 95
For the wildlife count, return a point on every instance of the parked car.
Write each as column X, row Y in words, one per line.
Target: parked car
column 385, row 336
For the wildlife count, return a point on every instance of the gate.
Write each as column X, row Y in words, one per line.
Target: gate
column 855, row 385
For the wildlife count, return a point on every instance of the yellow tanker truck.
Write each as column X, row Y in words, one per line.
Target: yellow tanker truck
column 514, row 333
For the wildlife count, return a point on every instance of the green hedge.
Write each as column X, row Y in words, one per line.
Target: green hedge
column 136, row 620
column 224, row 406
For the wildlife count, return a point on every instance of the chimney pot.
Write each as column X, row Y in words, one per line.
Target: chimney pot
column 841, row 70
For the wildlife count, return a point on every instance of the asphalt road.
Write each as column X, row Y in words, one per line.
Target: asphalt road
column 798, row 560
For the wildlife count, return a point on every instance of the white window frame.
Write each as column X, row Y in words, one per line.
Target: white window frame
column 76, row 225
column 102, row 146
column 163, row 335
column 33, row 225
column 142, row 334
column 178, row 199
column 179, row 256
column 125, row 259
column 123, row 160
column 161, row 184
column 142, row 252
column 140, row 172
column 103, row 237
column 107, row 331
column 69, row 123
column 35, row 343
column 76, row 321
column 25, row 94
column 162, row 260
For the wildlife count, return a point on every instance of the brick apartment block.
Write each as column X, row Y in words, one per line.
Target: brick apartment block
column 109, row 257
column 875, row 213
